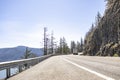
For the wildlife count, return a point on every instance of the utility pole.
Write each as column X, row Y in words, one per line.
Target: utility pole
column 45, row 41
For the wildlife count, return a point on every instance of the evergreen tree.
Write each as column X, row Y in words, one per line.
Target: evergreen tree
column 52, row 42
column 98, row 19
column 73, row 46
column 28, row 54
column 81, row 45
column 92, row 28
column 65, row 46
column 78, row 46
column 61, row 46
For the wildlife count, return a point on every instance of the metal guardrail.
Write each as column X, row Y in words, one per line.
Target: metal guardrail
column 23, row 63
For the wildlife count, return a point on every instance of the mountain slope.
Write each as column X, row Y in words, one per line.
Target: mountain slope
column 8, row 54
column 104, row 40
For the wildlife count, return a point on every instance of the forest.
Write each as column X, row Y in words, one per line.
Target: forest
column 103, row 38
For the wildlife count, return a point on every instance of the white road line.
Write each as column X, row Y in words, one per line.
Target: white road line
column 91, row 71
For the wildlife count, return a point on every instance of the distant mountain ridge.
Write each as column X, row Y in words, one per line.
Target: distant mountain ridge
column 15, row 53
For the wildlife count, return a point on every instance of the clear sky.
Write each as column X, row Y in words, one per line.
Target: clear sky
column 22, row 21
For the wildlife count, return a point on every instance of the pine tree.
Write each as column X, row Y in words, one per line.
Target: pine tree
column 73, row 46
column 28, row 54
column 52, row 42
column 92, row 28
column 98, row 19
column 78, row 46
column 65, row 46
column 61, row 46
column 81, row 45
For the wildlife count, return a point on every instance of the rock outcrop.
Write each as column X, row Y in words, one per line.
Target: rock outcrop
column 104, row 40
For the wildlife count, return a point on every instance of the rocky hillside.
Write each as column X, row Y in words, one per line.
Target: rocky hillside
column 104, row 38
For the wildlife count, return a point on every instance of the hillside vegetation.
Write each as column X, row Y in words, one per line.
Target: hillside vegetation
column 104, row 37
column 16, row 53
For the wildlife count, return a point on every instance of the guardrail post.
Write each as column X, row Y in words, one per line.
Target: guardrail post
column 7, row 72
column 26, row 65
column 20, row 64
column 20, row 68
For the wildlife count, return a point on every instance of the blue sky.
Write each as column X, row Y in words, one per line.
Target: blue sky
column 22, row 21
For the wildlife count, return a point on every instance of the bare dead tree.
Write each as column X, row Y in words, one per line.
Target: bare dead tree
column 52, row 42
column 45, row 41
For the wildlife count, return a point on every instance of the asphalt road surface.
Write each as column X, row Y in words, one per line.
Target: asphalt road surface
column 73, row 67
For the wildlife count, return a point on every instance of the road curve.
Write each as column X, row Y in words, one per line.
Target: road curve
column 60, row 68
column 108, row 66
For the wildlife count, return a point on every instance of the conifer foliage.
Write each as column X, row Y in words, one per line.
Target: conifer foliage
column 103, row 37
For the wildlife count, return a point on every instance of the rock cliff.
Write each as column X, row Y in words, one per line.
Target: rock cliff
column 104, row 39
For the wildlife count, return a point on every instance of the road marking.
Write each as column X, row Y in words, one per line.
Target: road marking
column 91, row 71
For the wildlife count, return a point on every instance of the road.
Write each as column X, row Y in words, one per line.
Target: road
column 73, row 67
